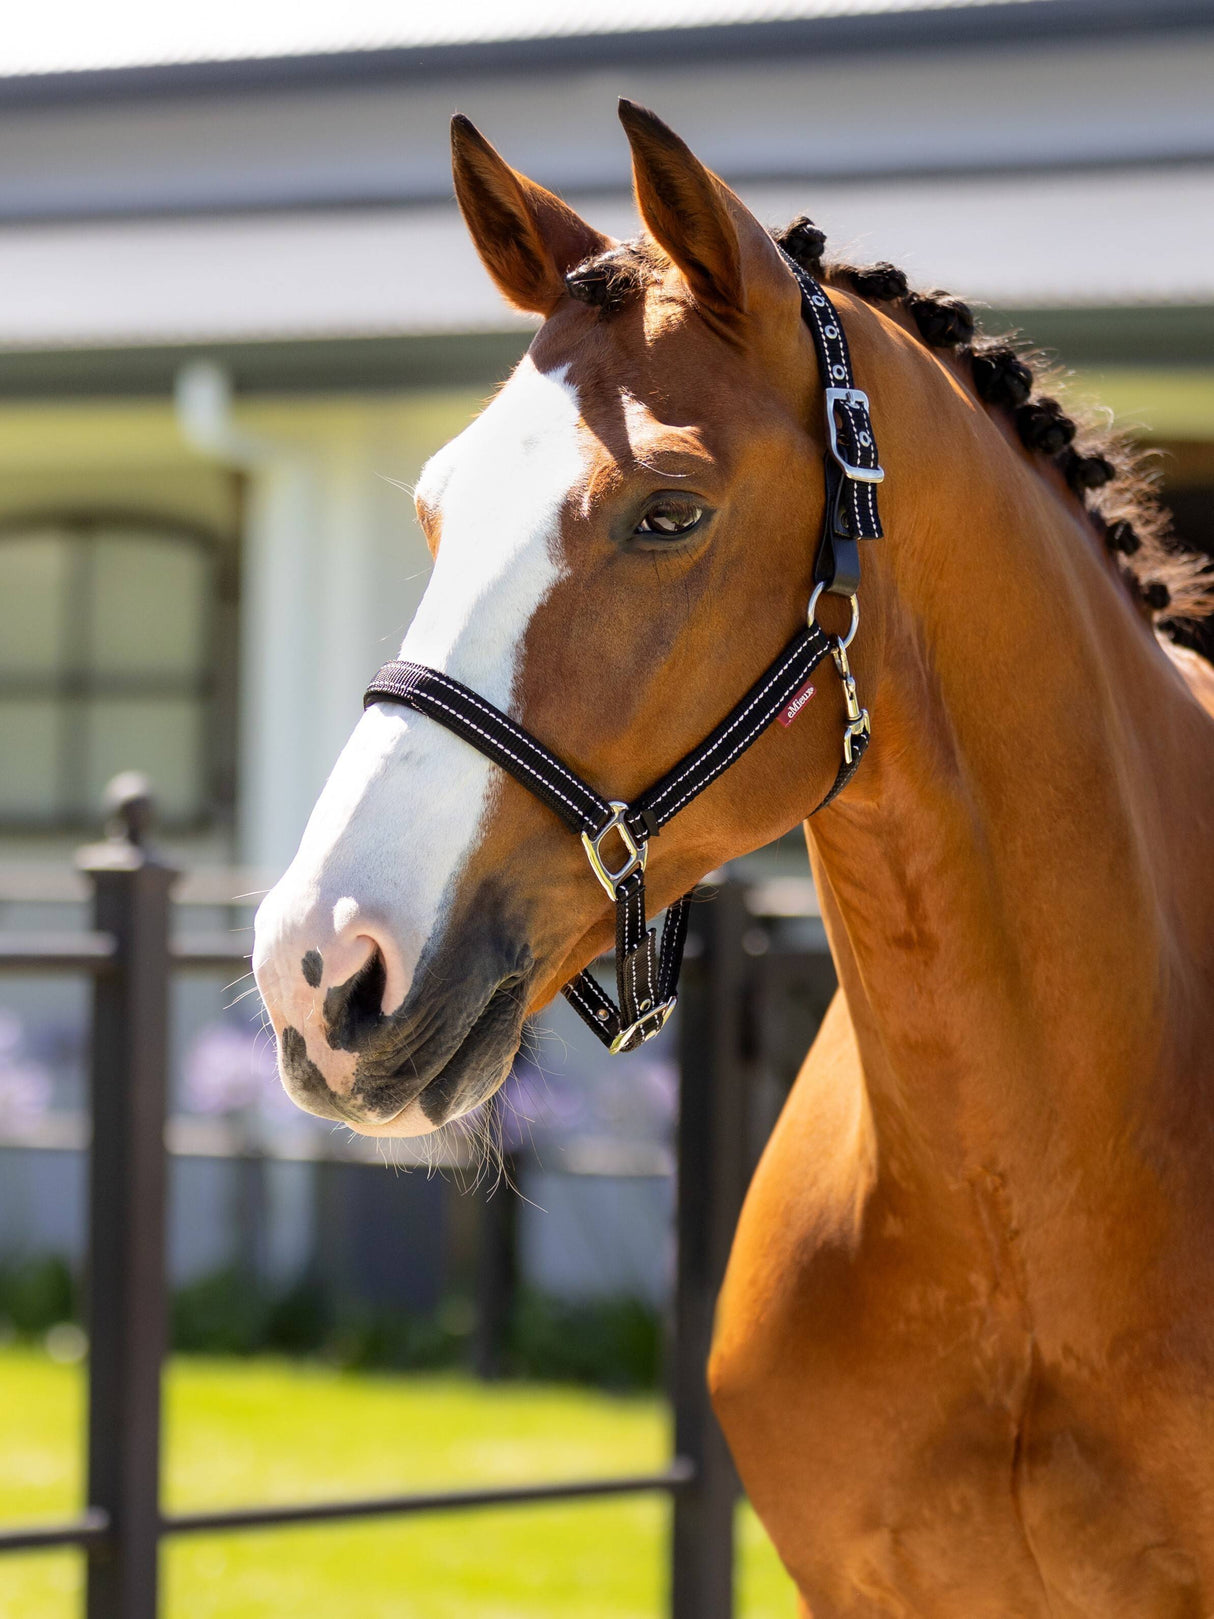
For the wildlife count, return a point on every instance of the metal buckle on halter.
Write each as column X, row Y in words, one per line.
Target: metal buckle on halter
column 857, row 400
column 651, row 1023
column 857, row 717
column 637, row 853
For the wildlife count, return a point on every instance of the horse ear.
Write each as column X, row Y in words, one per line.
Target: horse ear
column 526, row 237
column 729, row 261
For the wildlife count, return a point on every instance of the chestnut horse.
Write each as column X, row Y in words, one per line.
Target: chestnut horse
column 964, row 1353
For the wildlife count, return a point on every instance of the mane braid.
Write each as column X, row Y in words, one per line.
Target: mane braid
column 1112, row 478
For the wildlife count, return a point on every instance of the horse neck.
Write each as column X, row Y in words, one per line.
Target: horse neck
column 1008, row 884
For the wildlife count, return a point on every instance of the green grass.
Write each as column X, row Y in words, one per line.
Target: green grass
column 239, row 1432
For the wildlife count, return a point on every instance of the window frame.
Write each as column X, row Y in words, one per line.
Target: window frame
column 76, row 683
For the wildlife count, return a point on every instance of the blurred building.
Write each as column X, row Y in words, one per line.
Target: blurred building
column 202, row 589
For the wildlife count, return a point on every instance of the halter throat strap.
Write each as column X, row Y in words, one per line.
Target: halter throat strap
column 615, row 834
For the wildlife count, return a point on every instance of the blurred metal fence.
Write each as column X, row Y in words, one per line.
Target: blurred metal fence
column 744, row 971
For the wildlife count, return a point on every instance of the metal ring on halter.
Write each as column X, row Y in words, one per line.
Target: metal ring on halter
column 635, row 854
column 846, row 640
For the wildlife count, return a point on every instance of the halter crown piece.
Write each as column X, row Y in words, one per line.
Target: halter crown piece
column 646, row 973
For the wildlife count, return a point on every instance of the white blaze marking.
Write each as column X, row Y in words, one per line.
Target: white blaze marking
column 405, row 803
column 499, row 488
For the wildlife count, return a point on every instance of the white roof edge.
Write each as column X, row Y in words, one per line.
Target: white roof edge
column 63, row 67
column 1040, row 243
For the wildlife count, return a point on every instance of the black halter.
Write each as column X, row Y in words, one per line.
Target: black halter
column 646, row 974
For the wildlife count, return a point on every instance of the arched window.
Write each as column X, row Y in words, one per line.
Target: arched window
column 115, row 654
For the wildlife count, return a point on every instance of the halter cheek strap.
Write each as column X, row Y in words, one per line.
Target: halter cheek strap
column 616, row 835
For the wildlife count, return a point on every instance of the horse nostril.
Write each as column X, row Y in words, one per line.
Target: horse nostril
column 353, row 1009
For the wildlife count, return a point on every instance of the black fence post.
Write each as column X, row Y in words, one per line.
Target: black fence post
column 712, row 1174
column 126, row 1288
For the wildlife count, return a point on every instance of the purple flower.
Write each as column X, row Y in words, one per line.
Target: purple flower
column 25, row 1085
column 231, row 1069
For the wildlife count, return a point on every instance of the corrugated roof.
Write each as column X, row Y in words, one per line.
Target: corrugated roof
column 83, row 36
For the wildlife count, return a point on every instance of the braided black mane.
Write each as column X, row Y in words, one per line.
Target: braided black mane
column 1104, row 470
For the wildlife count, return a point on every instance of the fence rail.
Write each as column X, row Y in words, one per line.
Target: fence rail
column 91, row 1528
column 58, row 952
column 97, row 952
column 130, row 957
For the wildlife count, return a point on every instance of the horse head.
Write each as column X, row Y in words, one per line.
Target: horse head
column 622, row 541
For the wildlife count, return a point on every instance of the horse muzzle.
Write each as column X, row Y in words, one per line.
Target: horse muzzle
column 346, row 1053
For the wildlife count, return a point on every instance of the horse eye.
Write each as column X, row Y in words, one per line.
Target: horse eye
column 670, row 518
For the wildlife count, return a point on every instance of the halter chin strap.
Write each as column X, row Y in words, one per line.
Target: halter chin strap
column 616, row 835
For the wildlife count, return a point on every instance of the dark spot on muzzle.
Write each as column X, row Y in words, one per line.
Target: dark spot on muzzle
column 308, row 1087
column 313, row 966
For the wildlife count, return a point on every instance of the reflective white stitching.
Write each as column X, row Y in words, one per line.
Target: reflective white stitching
column 487, row 708
column 723, row 740
column 416, row 695
column 575, row 993
column 431, row 677
column 724, row 764
column 522, row 763
column 635, row 936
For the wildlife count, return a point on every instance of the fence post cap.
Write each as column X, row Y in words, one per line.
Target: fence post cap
column 130, row 809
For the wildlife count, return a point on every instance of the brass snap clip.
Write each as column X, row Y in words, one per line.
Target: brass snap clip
column 857, row 718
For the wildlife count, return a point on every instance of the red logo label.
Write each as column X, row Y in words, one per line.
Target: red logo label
column 794, row 705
